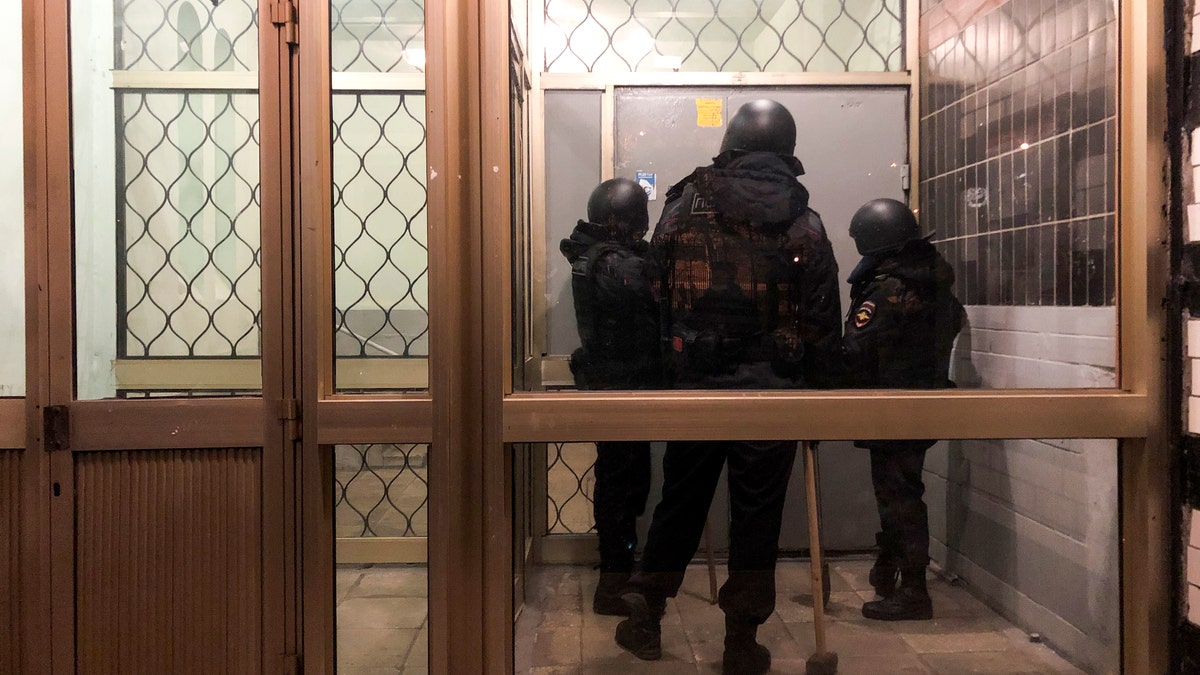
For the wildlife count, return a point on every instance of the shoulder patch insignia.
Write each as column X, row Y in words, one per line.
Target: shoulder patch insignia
column 700, row 205
column 864, row 314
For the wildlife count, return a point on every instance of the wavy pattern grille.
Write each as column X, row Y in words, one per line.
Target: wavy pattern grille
column 168, row 562
column 723, row 36
column 167, row 35
column 569, row 484
column 381, row 251
column 10, row 497
column 188, row 224
column 378, row 36
column 381, row 490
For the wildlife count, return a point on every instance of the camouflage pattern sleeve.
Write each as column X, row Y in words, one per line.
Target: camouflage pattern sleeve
column 821, row 310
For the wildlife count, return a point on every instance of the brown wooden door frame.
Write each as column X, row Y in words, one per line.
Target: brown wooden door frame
column 331, row 418
column 1133, row 412
column 254, row 422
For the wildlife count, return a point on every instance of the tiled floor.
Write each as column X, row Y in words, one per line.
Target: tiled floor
column 383, row 628
column 382, row 620
column 557, row 633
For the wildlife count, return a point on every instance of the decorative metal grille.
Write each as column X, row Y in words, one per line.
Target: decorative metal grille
column 378, row 36
column 187, row 35
column 723, row 35
column 188, row 224
column 569, row 484
column 381, row 490
column 381, row 253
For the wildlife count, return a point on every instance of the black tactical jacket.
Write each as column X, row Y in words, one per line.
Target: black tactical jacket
column 902, row 321
column 615, row 310
column 748, row 279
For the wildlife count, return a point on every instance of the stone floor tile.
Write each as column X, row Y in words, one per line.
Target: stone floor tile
column 956, row 642
column 382, row 613
column 854, row 574
column 939, row 625
column 875, row 664
column 346, row 580
column 849, row 638
column 418, row 655
column 375, row 649
column 392, row 581
column 627, row 664
column 1007, row 662
column 556, row 646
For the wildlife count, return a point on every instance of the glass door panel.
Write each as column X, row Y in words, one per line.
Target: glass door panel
column 380, row 207
column 12, row 222
column 379, row 300
column 1021, row 533
column 167, row 239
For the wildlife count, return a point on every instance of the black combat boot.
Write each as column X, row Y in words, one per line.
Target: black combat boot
column 884, row 573
column 641, row 633
column 607, row 599
column 743, row 654
column 910, row 602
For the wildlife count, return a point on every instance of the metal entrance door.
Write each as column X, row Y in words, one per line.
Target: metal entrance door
column 854, row 146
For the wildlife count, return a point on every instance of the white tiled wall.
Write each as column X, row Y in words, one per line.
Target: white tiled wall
column 1191, row 384
column 1032, row 524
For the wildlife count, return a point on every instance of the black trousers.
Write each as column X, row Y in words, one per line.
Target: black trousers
column 622, row 475
column 758, row 480
column 903, row 518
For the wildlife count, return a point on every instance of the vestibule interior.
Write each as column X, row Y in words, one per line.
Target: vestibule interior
column 996, row 121
column 1013, row 178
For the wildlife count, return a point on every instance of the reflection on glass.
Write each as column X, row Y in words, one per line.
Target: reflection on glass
column 380, row 514
column 381, row 257
column 12, row 221
column 612, row 36
column 166, row 196
column 1023, row 538
column 1016, row 175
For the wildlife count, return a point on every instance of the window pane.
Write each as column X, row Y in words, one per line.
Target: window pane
column 1018, row 168
column 1006, row 279
column 381, row 255
column 380, row 513
column 1023, row 540
column 167, row 198
column 613, row 36
column 12, row 223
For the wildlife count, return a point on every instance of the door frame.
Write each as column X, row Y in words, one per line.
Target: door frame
column 48, row 536
column 1132, row 412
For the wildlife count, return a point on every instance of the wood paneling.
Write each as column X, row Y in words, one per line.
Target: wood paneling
column 10, row 514
column 168, row 561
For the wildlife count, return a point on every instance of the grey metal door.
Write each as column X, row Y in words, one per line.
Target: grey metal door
column 853, row 144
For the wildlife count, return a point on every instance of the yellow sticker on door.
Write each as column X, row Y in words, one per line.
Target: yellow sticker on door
column 708, row 112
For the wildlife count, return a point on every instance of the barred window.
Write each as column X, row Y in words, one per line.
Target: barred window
column 722, row 36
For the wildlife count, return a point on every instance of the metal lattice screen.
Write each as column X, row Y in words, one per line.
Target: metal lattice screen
column 381, row 490
column 595, row 36
column 380, row 234
column 188, row 223
column 186, row 35
column 378, row 36
column 570, row 481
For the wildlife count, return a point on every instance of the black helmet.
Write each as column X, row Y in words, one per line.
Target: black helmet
column 762, row 125
column 883, row 225
column 620, row 205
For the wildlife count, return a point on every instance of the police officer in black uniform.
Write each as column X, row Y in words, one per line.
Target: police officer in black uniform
column 750, row 301
column 899, row 331
column 617, row 317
